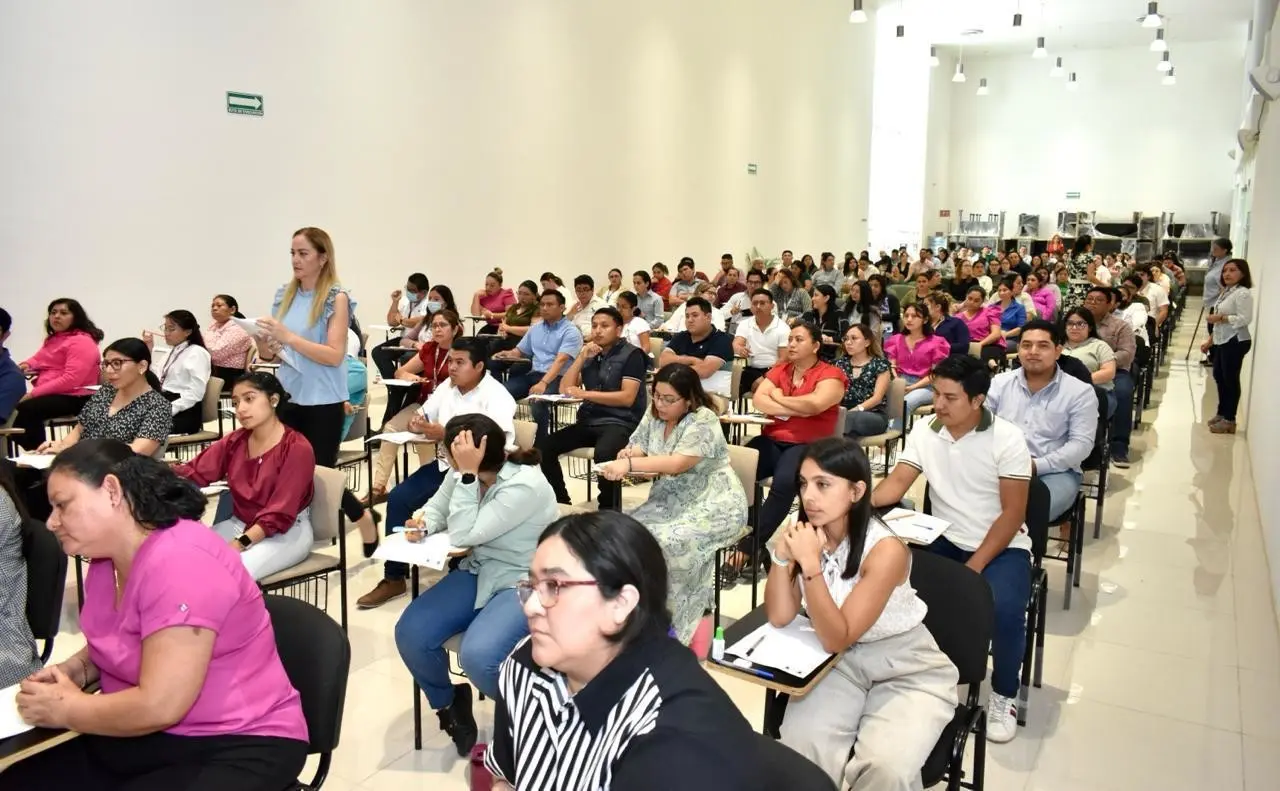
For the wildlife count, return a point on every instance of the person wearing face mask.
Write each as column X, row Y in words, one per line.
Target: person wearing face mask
column 227, row 343
column 184, row 376
column 409, row 310
column 270, row 470
column 62, row 371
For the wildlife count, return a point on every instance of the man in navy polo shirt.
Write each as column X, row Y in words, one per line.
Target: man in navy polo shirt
column 702, row 347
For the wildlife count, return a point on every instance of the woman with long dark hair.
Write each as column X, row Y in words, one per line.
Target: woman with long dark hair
column 868, row 371
column 825, row 315
column 62, row 371
column 874, row 721
column 887, row 304
column 1230, row 340
column 184, row 377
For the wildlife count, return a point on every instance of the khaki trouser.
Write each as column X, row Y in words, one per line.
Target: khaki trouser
column 889, row 700
column 386, row 456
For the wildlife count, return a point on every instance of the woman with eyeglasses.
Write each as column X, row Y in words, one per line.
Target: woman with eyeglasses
column 697, row 505
column 869, row 373
column 185, row 374
column 494, row 503
column 61, row 372
column 599, row 696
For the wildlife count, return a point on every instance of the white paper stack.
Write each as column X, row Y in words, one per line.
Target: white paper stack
column 915, row 527
column 398, row 437
column 432, row 552
column 36, row 461
column 10, row 723
column 794, row 649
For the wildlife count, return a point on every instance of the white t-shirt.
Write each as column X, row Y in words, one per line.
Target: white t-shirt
column 763, row 344
column 964, row 474
column 675, row 322
column 1157, row 298
column 632, row 330
column 489, row 397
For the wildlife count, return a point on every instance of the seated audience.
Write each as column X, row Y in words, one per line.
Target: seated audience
column 1117, row 333
column 596, row 602
column 193, row 693
column 792, row 300
column 730, row 285
column 549, row 346
column 609, row 292
column 635, row 330
column 984, row 324
column 1230, row 340
column 1012, row 314
column 62, row 371
column 686, row 281
column 762, row 339
column 1018, row 284
column 861, row 308
column 270, row 472
column 1157, row 299
column 492, row 302
column 737, row 308
column 704, row 347
column 697, row 504
column 914, row 352
column 13, row 382
column 826, row 274
column 440, row 298
column 408, row 311
column 873, row 722
column 1057, row 412
column 826, row 316
column 1083, row 343
column 582, row 310
column 676, row 321
column 649, row 302
column 958, row 286
column 1043, row 295
column 521, row 314
column 979, row 473
column 495, row 504
column 885, row 303
column 1132, row 307
column 229, row 345
column 608, row 376
column 18, row 655
column 921, row 290
column 950, row 328
column 470, row 390
column 868, row 373
column 184, row 377
column 551, row 282
column 662, row 284
column 726, row 263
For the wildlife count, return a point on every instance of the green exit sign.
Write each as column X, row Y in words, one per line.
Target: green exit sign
column 1073, row 196
column 244, row 103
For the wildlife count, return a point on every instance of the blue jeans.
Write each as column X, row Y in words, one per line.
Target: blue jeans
column 916, row 398
column 1062, row 488
column 1122, row 419
column 518, row 386
column 1009, row 575
column 411, row 494
column 445, row 609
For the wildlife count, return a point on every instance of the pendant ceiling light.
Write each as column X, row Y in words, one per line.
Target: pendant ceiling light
column 1071, row 82
column 1169, row 79
column 1040, row 51
column 1164, row 64
column 902, row 31
column 959, row 75
column 857, row 16
column 982, row 87
column 933, row 57
column 1159, row 45
column 1153, row 18
column 1056, row 71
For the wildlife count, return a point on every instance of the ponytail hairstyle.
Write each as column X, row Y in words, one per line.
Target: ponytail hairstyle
column 136, row 350
column 157, row 497
column 230, row 302
column 495, row 450
column 496, row 274
column 266, row 383
column 629, row 297
column 186, row 320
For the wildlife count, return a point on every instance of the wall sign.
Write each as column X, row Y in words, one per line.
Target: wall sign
column 244, row 103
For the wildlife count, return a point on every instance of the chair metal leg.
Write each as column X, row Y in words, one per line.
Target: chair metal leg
column 980, row 754
column 1038, row 674
column 417, row 691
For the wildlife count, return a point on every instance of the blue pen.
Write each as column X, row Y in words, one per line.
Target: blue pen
column 752, row 670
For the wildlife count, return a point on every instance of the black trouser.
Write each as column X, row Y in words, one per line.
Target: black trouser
column 388, row 356
column 1228, row 359
column 749, row 377
column 607, row 440
column 188, row 421
column 994, row 353
column 227, row 375
column 161, row 762
column 33, row 412
column 781, row 461
column 321, row 424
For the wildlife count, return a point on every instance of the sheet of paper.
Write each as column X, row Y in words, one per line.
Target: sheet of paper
column 915, row 527
column 399, row 437
column 94, row 388
column 793, row 649
column 400, row 383
column 10, row 723
column 432, row 552
column 217, row 487
column 36, row 461
column 250, row 326
column 552, row 397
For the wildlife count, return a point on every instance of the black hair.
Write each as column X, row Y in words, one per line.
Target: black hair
column 662, row 266
column 531, row 287
column 825, row 256
column 926, row 329
column 1082, row 313
column 975, row 287
column 859, row 308
column 584, row 280
column 762, row 292
column 1081, row 244
column 970, row 372
column 446, row 296
column 551, row 292
column 157, row 497
column 810, row 329
column 789, row 275
column 553, row 277
column 1223, row 244
column 477, row 350
column 1044, row 325
column 784, row 252
column 135, row 350
column 757, row 272
column 616, row 550
column 833, row 299
column 629, row 297
column 79, row 319
column 1135, row 281
column 1246, row 279
column 186, row 320
column 726, row 256
column 882, row 281
column 686, row 261
column 616, row 269
column 6, row 321
column 698, row 302
column 230, row 302
column 687, row 384
column 1103, row 290
column 843, row 458
column 266, row 383
column 611, row 312
column 643, row 275
column 495, row 450
column 420, row 282
column 496, row 274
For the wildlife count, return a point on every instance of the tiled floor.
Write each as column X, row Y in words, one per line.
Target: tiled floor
column 1164, row 674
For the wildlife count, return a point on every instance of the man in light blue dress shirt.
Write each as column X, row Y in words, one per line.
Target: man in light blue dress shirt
column 1057, row 412
column 550, row 346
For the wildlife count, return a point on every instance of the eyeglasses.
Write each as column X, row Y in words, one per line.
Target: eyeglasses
column 1077, row 324
column 548, row 589
column 667, row 400
column 114, row 365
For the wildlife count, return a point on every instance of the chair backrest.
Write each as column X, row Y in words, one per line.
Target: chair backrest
column 1151, row 329
column 526, row 430
column 326, row 502
column 359, row 423
column 1037, row 518
column 1141, row 355
column 46, row 579
column 897, row 407
column 1102, row 434
column 744, row 461
column 975, row 349
column 735, row 386
column 786, row 768
column 901, row 290
column 250, row 355
column 212, row 394
column 842, row 417
column 656, row 345
column 317, row 658
column 961, row 613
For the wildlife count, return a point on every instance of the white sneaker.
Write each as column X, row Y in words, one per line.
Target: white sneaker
column 1002, row 719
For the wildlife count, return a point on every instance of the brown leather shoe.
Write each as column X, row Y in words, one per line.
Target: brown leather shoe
column 385, row 592
column 1223, row 427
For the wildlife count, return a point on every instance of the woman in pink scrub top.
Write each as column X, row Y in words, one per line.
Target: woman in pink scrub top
column 193, row 692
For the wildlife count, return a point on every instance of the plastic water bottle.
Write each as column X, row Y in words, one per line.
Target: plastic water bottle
column 717, row 645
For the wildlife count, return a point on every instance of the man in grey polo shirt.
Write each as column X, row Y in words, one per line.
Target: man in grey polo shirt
column 827, row 273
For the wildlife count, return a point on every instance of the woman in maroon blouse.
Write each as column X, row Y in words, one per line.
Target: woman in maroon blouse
column 269, row 469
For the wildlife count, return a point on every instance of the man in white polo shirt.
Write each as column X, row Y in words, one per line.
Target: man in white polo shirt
column 979, row 472
column 762, row 339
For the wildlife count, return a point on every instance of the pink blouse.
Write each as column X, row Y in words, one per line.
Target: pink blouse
column 66, row 364
column 919, row 361
column 497, row 303
column 228, row 345
column 981, row 324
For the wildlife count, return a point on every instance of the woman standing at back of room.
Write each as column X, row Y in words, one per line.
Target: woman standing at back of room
column 1081, row 273
column 227, row 343
column 1229, row 337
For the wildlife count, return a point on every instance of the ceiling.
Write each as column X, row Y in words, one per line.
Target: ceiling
column 1065, row 24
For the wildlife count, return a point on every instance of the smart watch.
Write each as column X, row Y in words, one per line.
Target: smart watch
column 244, row 540
column 468, row 478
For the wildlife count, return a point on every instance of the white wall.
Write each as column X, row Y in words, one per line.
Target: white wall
column 447, row 137
column 1122, row 140
column 937, row 171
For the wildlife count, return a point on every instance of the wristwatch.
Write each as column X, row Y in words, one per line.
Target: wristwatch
column 468, row 478
column 244, row 540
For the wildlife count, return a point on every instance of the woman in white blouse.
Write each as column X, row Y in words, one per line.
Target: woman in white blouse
column 184, row 376
column 893, row 690
column 1229, row 320
column 635, row 330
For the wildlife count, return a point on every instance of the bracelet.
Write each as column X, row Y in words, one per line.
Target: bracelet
column 812, row 576
column 628, row 464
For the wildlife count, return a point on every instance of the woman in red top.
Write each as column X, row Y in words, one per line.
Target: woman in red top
column 429, row 368
column 803, row 396
column 269, row 469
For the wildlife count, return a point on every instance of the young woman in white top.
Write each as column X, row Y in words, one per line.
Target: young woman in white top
column 1229, row 321
column 184, row 376
column 893, row 690
column 610, row 291
column 635, row 330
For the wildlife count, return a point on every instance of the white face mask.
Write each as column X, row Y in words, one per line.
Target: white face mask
column 434, row 305
column 413, row 297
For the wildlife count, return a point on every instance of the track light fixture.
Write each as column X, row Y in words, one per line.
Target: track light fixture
column 982, row 87
column 1153, row 18
column 933, row 57
column 1164, row 64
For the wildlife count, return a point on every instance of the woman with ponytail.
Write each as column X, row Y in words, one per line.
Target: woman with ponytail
column 184, row 377
column 269, row 469
column 193, row 692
